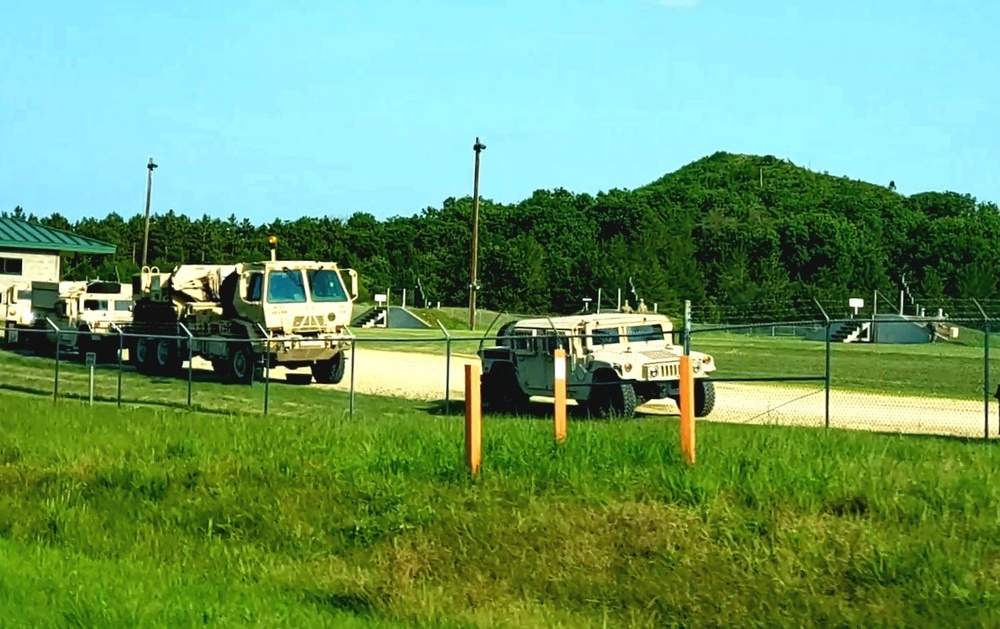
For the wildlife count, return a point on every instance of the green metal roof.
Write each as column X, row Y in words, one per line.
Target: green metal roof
column 18, row 234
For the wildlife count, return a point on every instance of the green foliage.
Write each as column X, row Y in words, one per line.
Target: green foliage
column 725, row 231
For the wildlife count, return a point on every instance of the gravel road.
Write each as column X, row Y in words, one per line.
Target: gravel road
column 422, row 376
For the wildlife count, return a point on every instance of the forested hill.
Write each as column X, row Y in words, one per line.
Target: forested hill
column 723, row 231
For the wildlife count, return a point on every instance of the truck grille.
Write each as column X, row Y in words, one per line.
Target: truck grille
column 662, row 370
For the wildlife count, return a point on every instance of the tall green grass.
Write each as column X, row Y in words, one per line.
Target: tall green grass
column 143, row 516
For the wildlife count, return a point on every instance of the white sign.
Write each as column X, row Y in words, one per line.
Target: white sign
column 560, row 368
column 380, row 298
column 856, row 302
column 91, row 359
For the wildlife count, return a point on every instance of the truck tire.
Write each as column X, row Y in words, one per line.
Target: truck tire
column 141, row 356
column 164, row 357
column 329, row 371
column 613, row 400
column 241, row 363
column 704, row 397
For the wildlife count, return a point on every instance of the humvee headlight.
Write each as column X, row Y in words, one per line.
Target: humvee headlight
column 331, row 316
column 653, row 372
column 628, row 366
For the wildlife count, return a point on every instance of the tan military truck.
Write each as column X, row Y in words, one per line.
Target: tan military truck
column 15, row 307
column 614, row 363
column 87, row 310
column 243, row 317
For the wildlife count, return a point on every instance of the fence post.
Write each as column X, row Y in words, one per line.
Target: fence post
column 828, row 378
column 986, row 370
column 473, row 419
column 190, row 358
column 354, row 345
column 986, row 380
column 55, row 385
column 267, row 367
column 559, row 392
column 447, row 368
column 687, row 326
column 687, row 391
column 121, row 351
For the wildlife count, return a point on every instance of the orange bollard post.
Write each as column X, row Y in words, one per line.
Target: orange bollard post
column 473, row 419
column 559, row 382
column 687, row 409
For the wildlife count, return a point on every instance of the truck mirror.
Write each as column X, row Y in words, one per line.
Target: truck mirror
column 354, row 283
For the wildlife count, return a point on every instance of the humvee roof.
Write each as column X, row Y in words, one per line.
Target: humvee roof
column 604, row 318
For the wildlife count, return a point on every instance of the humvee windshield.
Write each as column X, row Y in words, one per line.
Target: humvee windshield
column 325, row 285
column 633, row 333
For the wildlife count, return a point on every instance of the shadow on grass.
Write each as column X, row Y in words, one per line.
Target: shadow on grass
column 108, row 399
column 536, row 411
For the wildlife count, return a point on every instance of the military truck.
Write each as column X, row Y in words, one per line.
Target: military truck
column 231, row 311
column 614, row 363
column 89, row 310
column 15, row 307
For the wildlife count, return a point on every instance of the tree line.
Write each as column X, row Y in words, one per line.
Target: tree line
column 726, row 232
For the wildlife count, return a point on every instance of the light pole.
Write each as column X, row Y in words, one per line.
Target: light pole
column 149, row 189
column 478, row 147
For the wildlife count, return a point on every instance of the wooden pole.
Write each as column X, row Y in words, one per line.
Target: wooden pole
column 687, row 410
column 149, row 189
column 478, row 147
column 473, row 419
column 559, row 380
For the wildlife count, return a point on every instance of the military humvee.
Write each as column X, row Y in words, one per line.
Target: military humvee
column 614, row 362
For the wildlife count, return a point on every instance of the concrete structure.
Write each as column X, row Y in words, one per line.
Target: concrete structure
column 30, row 252
column 887, row 328
column 390, row 317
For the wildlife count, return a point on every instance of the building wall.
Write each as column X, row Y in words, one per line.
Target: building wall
column 35, row 266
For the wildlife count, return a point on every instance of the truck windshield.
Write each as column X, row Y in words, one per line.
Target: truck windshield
column 326, row 285
column 285, row 287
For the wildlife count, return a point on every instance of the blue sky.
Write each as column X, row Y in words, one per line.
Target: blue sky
column 267, row 109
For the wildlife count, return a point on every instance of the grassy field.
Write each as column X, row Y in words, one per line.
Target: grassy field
column 950, row 370
column 162, row 516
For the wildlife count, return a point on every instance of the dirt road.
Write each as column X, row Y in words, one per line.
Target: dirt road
column 422, row 376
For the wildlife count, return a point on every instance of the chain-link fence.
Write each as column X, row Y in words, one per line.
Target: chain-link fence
column 881, row 372
column 887, row 373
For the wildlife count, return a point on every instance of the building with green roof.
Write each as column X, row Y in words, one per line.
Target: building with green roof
column 30, row 252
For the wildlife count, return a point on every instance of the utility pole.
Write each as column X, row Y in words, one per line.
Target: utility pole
column 478, row 147
column 149, row 189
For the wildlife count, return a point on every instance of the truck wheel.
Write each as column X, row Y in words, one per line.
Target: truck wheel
column 329, row 371
column 165, row 356
column 704, row 397
column 141, row 358
column 613, row 400
column 241, row 365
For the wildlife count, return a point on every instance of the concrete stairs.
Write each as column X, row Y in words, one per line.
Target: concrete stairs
column 372, row 318
column 851, row 332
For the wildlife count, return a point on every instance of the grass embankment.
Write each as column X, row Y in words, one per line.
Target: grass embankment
column 947, row 370
column 117, row 518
